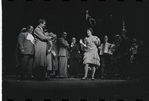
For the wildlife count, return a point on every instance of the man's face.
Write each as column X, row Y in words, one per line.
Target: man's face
column 64, row 35
column 31, row 29
column 106, row 38
column 74, row 40
column 43, row 25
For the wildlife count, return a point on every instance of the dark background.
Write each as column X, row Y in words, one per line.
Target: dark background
column 69, row 16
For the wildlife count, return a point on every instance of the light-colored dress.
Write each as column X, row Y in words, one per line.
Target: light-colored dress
column 52, row 61
column 91, row 52
column 55, row 60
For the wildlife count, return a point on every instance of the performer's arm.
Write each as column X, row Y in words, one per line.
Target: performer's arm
column 97, row 41
column 40, row 35
column 63, row 43
column 84, row 44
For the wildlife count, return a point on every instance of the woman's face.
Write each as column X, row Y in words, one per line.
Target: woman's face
column 89, row 33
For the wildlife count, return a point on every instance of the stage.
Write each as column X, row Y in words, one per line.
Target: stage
column 75, row 89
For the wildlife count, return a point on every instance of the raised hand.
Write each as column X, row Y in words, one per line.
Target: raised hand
column 81, row 42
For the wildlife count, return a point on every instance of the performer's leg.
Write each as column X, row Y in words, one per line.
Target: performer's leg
column 30, row 67
column 108, row 60
column 44, row 72
column 24, row 62
column 76, row 68
column 93, row 71
column 86, row 71
column 70, row 68
column 104, row 68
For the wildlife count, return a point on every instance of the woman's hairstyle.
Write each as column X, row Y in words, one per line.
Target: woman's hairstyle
column 23, row 30
column 41, row 21
column 90, row 29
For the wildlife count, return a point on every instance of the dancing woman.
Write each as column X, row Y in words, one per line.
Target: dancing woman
column 91, row 57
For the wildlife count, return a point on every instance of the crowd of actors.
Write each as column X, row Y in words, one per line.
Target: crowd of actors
column 40, row 54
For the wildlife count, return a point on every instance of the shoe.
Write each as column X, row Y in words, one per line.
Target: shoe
column 84, row 78
column 61, row 77
column 92, row 79
column 89, row 68
column 75, row 76
column 29, row 78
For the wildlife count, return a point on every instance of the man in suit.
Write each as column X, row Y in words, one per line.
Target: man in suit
column 63, row 55
column 40, row 50
column 74, row 58
column 124, row 48
column 26, row 46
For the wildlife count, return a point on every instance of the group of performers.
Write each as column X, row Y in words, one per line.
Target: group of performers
column 41, row 54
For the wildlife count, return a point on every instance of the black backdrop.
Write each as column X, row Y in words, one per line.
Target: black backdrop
column 69, row 16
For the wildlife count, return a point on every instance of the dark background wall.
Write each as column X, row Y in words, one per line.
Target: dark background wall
column 69, row 16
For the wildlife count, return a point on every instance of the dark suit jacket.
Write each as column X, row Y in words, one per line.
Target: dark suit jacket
column 25, row 44
column 75, row 51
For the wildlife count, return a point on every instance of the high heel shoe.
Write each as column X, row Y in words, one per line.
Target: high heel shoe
column 89, row 68
column 84, row 78
column 93, row 79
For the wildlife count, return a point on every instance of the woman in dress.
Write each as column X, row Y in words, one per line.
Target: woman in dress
column 51, row 53
column 91, row 58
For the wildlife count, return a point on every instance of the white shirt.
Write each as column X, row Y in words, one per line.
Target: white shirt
column 30, row 37
column 106, row 48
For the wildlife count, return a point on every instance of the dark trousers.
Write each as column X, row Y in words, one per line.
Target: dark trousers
column 40, row 72
column 26, row 65
column 74, row 64
column 105, row 63
column 125, row 66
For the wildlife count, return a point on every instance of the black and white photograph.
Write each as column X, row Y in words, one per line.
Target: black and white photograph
column 75, row 50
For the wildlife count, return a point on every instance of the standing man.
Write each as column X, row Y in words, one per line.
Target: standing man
column 105, row 56
column 40, row 50
column 63, row 55
column 125, row 47
column 26, row 46
column 74, row 58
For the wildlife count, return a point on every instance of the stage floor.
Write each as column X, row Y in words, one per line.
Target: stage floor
column 75, row 89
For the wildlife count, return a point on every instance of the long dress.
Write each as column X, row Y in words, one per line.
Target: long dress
column 52, row 62
column 55, row 59
column 49, row 56
column 91, row 52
